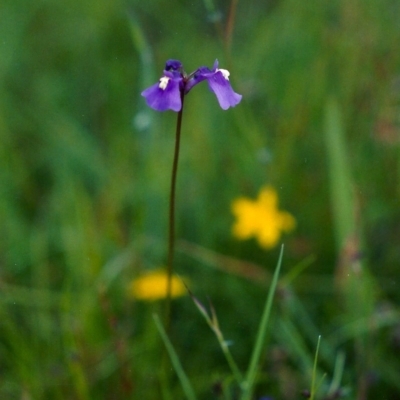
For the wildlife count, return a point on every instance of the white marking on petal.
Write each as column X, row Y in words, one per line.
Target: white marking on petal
column 225, row 73
column 164, row 82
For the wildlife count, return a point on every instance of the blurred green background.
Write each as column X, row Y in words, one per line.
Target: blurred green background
column 84, row 180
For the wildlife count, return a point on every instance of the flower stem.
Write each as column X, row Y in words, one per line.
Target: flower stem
column 171, row 224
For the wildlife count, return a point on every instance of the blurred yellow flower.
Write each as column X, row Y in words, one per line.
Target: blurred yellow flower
column 261, row 218
column 152, row 286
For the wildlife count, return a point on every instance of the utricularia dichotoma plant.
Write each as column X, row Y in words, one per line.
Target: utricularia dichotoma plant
column 169, row 94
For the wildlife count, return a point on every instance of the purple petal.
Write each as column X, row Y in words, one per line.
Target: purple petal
column 200, row 75
column 173, row 65
column 162, row 99
column 223, row 90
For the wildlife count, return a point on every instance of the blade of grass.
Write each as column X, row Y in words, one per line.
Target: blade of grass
column 144, row 50
column 301, row 318
column 362, row 326
column 214, row 325
column 229, row 265
column 314, row 373
column 75, row 366
column 224, row 346
column 292, row 275
column 186, row 385
column 339, row 173
column 337, row 374
column 252, row 371
column 289, row 336
column 357, row 286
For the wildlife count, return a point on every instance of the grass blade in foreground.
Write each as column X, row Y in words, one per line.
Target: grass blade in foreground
column 262, row 331
column 341, row 192
column 186, row 386
column 314, row 373
column 337, row 375
column 212, row 322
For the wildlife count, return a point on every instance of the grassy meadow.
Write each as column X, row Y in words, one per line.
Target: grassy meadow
column 309, row 159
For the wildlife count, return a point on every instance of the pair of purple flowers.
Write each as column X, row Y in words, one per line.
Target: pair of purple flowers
column 168, row 93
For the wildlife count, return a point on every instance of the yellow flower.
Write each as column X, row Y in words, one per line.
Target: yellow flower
column 152, row 286
column 261, row 218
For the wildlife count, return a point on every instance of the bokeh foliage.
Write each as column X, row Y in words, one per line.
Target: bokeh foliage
column 84, row 181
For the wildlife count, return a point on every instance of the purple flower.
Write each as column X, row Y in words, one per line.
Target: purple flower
column 167, row 94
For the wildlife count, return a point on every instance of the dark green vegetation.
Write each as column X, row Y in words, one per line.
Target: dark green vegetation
column 84, row 181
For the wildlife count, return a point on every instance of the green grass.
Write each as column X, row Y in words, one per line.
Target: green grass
column 84, row 182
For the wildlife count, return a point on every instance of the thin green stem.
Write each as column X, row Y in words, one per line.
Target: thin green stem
column 314, row 372
column 252, row 371
column 176, row 364
column 171, row 224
